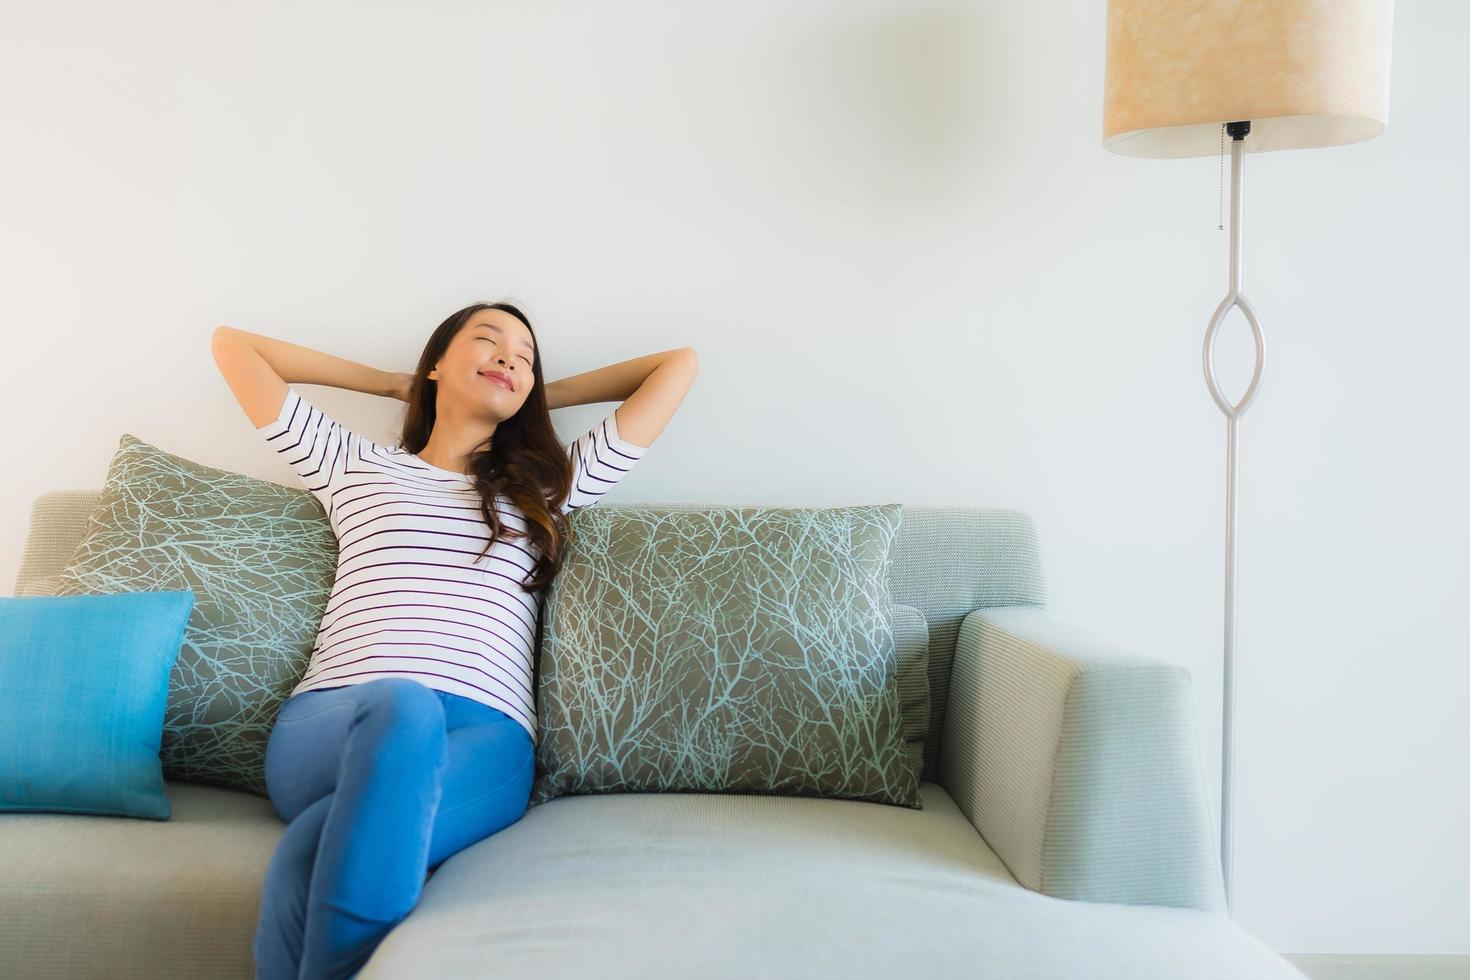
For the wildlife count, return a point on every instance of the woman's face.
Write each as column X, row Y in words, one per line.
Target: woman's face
column 487, row 369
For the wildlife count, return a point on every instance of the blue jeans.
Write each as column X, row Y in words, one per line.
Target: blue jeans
column 379, row 783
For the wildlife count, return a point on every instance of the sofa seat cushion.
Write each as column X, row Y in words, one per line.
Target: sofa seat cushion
column 738, row 886
column 118, row 897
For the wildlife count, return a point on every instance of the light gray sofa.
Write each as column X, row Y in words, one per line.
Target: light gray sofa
column 1066, row 833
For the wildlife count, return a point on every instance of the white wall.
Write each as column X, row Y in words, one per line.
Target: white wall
column 912, row 274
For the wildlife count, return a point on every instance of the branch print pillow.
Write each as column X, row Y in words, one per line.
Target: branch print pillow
column 260, row 559
column 724, row 650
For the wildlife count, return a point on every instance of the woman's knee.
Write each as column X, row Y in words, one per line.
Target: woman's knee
column 404, row 709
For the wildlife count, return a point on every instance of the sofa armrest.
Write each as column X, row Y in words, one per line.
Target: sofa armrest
column 1079, row 762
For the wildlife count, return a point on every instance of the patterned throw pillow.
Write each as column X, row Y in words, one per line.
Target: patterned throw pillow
column 259, row 558
column 743, row 650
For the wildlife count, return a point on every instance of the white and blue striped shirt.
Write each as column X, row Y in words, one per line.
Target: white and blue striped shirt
column 412, row 598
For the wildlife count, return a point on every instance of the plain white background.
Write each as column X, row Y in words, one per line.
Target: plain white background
column 912, row 274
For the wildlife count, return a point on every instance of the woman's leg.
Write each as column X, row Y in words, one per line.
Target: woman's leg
column 355, row 771
column 487, row 781
column 301, row 762
column 485, row 786
column 374, row 846
column 283, row 907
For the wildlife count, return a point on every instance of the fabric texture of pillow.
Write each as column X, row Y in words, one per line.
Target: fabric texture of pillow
column 83, row 683
column 733, row 649
column 42, row 586
column 259, row 558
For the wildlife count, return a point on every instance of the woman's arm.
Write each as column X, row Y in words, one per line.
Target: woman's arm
column 650, row 388
column 258, row 369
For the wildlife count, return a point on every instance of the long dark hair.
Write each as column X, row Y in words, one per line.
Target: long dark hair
column 524, row 461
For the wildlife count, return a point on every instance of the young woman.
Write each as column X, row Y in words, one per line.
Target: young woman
column 411, row 734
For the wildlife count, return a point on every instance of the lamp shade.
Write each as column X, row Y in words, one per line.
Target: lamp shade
column 1304, row 73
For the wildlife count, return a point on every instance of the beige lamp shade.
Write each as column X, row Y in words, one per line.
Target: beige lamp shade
column 1304, row 73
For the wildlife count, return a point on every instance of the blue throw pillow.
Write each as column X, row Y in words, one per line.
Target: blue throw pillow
column 83, row 685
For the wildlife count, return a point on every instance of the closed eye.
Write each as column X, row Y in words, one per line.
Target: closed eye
column 492, row 340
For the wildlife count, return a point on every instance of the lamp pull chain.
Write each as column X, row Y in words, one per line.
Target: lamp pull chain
column 1221, row 225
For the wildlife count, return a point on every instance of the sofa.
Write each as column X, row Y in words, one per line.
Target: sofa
column 1066, row 832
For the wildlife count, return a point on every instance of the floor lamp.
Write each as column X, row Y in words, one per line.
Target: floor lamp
column 1278, row 75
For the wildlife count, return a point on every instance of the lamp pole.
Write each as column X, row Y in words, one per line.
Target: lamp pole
column 1233, row 297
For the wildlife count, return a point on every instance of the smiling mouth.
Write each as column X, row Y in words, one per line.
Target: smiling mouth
column 495, row 379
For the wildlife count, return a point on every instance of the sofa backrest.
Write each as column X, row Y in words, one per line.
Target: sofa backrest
column 947, row 562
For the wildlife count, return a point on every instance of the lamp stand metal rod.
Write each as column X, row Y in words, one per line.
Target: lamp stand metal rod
column 1234, row 297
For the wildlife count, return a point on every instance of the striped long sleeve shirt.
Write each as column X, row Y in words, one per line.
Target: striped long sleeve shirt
column 412, row 598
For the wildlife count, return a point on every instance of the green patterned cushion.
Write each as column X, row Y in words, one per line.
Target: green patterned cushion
column 731, row 649
column 259, row 558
